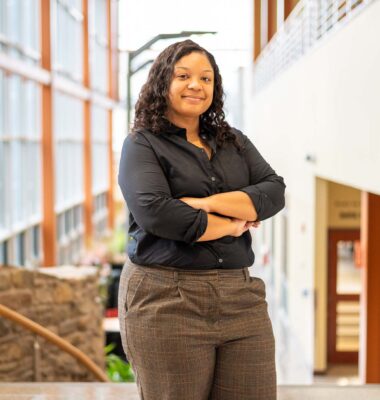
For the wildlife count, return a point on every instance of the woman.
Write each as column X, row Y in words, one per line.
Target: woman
column 194, row 324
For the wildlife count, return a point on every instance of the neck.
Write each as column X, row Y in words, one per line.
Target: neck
column 191, row 124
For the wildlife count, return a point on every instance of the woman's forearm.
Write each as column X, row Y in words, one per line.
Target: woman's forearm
column 235, row 204
column 217, row 227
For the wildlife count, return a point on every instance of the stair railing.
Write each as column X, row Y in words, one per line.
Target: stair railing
column 56, row 340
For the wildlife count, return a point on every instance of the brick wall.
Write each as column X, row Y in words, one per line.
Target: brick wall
column 63, row 299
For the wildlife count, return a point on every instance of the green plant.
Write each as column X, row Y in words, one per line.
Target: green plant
column 117, row 241
column 117, row 369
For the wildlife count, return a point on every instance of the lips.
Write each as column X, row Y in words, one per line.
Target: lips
column 193, row 97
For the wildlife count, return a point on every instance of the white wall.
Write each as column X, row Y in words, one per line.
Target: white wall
column 326, row 105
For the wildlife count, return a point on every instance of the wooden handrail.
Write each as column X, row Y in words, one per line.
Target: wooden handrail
column 55, row 339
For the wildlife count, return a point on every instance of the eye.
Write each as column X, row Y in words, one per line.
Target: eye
column 182, row 76
column 206, row 79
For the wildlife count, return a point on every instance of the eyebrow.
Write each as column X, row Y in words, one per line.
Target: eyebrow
column 205, row 70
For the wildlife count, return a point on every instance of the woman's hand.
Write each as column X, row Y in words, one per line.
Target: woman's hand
column 241, row 226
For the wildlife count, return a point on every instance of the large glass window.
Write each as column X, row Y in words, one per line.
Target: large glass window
column 70, row 235
column 100, row 155
column 20, row 152
column 100, row 168
column 20, row 160
column 35, row 242
column 69, row 38
column 100, row 215
column 69, row 185
column 98, row 45
column 3, row 159
column 19, row 29
column 19, row 249
column 4, row 259
column 24, row 139
column 68, row 138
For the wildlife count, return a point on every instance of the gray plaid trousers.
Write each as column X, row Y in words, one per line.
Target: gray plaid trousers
column 197, row 334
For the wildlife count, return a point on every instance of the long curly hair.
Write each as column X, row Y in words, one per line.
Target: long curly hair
column 152, row 103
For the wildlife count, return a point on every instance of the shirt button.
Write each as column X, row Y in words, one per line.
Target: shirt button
column 213, row 178
column 220, row 260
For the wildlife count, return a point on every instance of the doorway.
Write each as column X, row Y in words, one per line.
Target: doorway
column 344, row 286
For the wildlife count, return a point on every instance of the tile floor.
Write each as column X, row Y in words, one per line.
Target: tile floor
column 292, row 369
column 127, row 391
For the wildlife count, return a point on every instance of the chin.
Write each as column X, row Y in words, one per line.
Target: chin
column 193, row 112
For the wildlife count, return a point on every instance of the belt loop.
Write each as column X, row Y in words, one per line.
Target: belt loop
column 175, row 276
column 246, row 273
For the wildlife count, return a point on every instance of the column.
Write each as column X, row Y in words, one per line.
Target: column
column 87, row 148
column 272, row 18
column 113, row 94
column 369, row 353
column 256, row 29
column 49, row 231
column 288, row 7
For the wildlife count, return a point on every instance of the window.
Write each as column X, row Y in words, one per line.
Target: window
column 69, row 38
column 36, row 252
column 100, row 215
column 68, row 139
column 100, row 144
column 3, row 157
column 20, row 157
column 99, row 45
column 18, row 253
column 21, row 248
column 68, row 222
column 70, row 235
column 4, row 260
column 2, row 23
column 23, row 145
column 2, row 189
column 19, row 29
column 100, row 168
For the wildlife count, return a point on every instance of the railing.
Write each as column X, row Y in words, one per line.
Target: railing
column 309, row 22
column 54, row 339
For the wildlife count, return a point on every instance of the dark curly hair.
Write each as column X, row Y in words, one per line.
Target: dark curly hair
column 152, row 103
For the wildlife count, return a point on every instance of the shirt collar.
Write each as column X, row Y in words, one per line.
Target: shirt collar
column 174, row 129
column 205, row 133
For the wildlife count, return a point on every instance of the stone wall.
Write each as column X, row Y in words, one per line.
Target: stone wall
column 66, row 301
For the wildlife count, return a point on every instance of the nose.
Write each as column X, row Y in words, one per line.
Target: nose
column 194, row 84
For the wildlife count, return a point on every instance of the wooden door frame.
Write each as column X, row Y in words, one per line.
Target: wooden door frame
column 334, row 236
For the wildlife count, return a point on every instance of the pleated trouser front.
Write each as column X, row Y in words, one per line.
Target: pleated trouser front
column 197, row 335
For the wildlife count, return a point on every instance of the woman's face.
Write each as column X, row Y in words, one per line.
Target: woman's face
column 192, row 86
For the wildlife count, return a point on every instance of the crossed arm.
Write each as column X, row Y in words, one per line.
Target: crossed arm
column 148, row 196
column 237, row 214
column 239, row 210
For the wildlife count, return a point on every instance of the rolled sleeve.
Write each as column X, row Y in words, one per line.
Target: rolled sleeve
column 147, row 193
column 266, row 189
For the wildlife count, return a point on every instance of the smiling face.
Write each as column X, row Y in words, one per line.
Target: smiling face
column 191, row 89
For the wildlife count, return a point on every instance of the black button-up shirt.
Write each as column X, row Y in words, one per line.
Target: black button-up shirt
column 158, row 169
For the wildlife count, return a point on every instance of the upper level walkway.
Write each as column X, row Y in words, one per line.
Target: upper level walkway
column 128, row 391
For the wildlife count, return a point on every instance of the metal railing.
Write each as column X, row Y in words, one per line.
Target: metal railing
column 308, row 23
column 54, row 339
